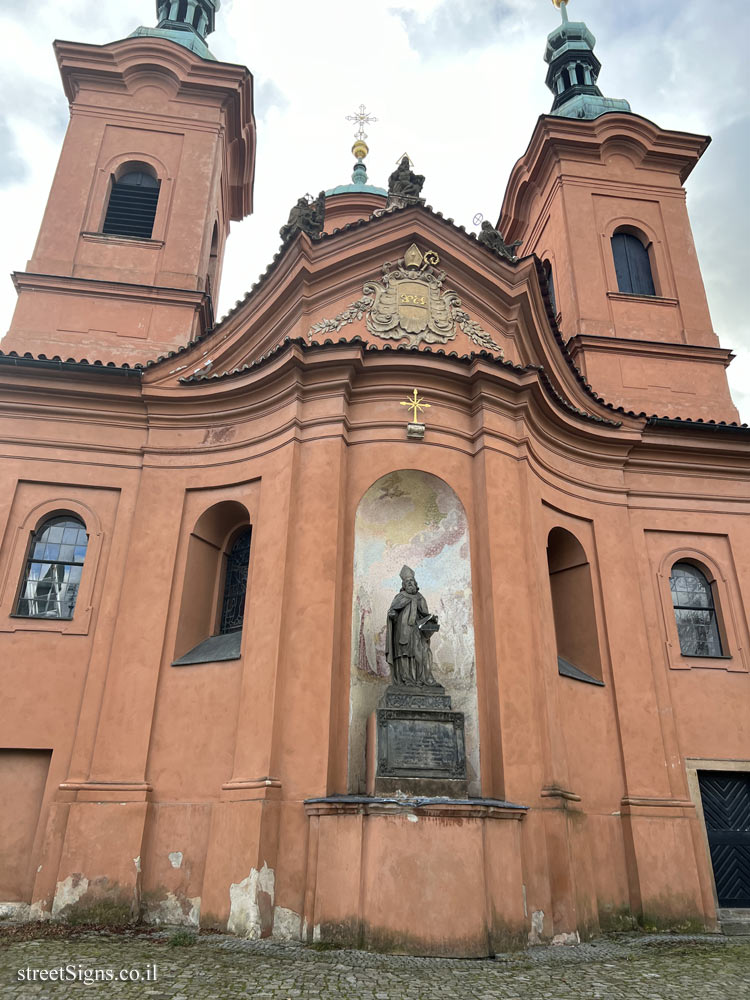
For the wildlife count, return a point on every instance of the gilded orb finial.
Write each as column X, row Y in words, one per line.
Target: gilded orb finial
column 360, row 149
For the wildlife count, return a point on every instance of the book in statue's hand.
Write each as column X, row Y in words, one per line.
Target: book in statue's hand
column 429, row 624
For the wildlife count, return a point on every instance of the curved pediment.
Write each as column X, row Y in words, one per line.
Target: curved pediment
column 408, row 278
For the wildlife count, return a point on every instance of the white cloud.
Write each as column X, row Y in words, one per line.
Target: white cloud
column 460, row 94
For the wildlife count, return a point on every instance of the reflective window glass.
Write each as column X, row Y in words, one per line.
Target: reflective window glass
column 694, row 611
column 53, row 569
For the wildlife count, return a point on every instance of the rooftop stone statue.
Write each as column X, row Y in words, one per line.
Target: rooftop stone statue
column 404, row 183
column 306, row 217
column 493, row 238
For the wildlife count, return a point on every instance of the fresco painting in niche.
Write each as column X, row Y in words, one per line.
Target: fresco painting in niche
column 412, row 518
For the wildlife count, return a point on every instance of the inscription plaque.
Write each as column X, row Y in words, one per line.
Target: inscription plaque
column 425, row 746
column 421, row 744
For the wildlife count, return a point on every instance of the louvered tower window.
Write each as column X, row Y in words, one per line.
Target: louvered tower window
column 632, row 265
column 132, row 206
column 550, row 284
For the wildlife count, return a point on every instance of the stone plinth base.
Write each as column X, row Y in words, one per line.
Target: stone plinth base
column 415, row 745
column 415, row 877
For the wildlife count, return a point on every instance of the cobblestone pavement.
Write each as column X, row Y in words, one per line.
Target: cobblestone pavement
column 221, row 968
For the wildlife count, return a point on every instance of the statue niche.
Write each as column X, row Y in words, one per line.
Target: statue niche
column 415, row 742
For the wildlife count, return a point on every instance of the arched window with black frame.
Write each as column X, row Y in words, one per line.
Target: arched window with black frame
column 632, row 265
column 695, row 611
column 132, row 204
column 235, row 584
column 54, row 565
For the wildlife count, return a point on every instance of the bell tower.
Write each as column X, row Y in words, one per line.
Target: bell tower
column 157, row 161
column 598, row 196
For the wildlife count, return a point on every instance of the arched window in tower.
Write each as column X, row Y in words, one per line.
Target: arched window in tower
column 54, row 565
column 235, row 584
column 580, row 75
column 632, row 265
column 550, row 284
column 576, row 633
column 566, row 79
column 213, row 263
column 695, row 611
column 132, row 205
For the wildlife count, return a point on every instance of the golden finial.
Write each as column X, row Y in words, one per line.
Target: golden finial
column 415, row 404
column 360, row 149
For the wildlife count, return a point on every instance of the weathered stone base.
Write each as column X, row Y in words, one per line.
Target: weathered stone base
column 416, row 877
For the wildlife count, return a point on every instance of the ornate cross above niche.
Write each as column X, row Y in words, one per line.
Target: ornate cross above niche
column 408, row 303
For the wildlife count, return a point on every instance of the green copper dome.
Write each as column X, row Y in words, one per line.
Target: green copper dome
column 186, row 22
column 574, row 71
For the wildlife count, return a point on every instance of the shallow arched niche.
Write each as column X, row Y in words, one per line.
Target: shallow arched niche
column 410, row 517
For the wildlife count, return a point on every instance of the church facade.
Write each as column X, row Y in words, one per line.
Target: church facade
column 203, row 525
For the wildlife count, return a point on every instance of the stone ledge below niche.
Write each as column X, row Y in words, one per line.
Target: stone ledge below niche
column 333, row 805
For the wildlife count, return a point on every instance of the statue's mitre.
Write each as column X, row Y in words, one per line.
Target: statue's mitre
column 407, row 573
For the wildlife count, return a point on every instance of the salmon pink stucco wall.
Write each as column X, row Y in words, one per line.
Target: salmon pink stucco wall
column 413, row 518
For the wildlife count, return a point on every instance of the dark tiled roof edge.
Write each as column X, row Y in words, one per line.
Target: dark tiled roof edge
column 686, row 423
column 16, row 360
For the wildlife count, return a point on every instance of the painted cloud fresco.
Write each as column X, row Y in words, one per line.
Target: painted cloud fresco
column 411, row 518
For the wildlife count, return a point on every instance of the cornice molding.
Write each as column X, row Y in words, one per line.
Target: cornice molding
column 555, row 138
column 583, row 342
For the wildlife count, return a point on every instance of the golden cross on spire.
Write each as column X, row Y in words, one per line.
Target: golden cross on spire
column 362, row 118
column 416, row 403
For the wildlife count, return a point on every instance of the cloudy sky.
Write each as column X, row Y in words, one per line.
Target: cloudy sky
column 457, row 86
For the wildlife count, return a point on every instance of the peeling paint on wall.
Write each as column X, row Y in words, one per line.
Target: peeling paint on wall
column 15, row 911
column 183, row 910
column 537, row 927
column 175, row 859
column 39, row 910
column 567, row 939
column 68, row 892
column 287, row 925
column 249, row 901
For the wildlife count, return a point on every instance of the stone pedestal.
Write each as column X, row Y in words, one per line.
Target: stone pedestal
column 415, row 745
